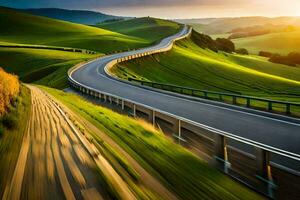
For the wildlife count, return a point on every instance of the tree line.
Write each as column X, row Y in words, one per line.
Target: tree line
column 219, row 44
column 292, row 59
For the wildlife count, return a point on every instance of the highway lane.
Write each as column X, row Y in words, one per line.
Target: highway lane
column 270, row 131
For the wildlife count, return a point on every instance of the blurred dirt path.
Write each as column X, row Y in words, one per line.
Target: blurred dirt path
column 55, row 162
column 146, row 178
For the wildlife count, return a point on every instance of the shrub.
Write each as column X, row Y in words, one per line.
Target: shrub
column 291, row 59
column 265, row 54
column 277, row 58
column 9, row 89
column 294, row 57
column 242, row 51
column 1, row 130
column 10, row 121
column 225, row 45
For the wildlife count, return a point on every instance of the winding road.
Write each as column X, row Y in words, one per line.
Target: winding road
column 272, row 131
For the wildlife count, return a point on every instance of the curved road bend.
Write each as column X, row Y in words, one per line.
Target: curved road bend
column 276, row 133
column 54, row 160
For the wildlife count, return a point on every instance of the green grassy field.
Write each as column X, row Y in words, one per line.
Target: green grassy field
column 191, row 66
column 282, row 43
column 151, row 29
column 29, row 29
column 48, row 67
column 181, row 171
column 11, row 138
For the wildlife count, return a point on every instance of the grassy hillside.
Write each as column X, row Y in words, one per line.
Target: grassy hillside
column 76, row 16
column 48, row 66
column 184, row 173
column 189, row 65
column 224, row 25
column 150, row 28
column 17, row 27
column 282, row 43
column 12, row 129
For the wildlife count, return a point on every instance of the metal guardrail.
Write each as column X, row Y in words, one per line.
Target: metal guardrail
column 264, row 151
column 220, row 95
column 262, row 159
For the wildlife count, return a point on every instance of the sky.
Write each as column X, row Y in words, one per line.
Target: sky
column 171, row 8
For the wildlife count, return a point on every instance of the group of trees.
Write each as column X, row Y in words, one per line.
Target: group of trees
column 9, row 89
column 242, row 51
column 292, row 59
column 220, row 44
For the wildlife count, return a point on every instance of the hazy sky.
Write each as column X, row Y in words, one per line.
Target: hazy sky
column 171, row 8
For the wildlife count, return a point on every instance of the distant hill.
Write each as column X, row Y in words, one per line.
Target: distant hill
column 282, row 43
column 146, row 27
column 76, row 16
column 225, row 25
column 197, row 20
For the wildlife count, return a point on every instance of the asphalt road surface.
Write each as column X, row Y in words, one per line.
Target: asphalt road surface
column 277, row 133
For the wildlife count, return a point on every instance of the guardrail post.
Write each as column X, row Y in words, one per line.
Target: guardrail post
column 221, row 156
column 220, row 97
column 177, row 130
column 104, row 97
column 123, row 104
column 134, row 110
column 234, row 100
column 248, row 102
column 288, row 108
column 269, row 106
column 264, row 172
column 110, row 99
column 262, row 163
column 152, row 117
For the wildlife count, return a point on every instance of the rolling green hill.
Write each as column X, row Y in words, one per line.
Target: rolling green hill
column 76, row 16
column 17, row 27
column 189, row 65
column 282, row 43
column 151, row 28
column 49, row 67
column 34, row 64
